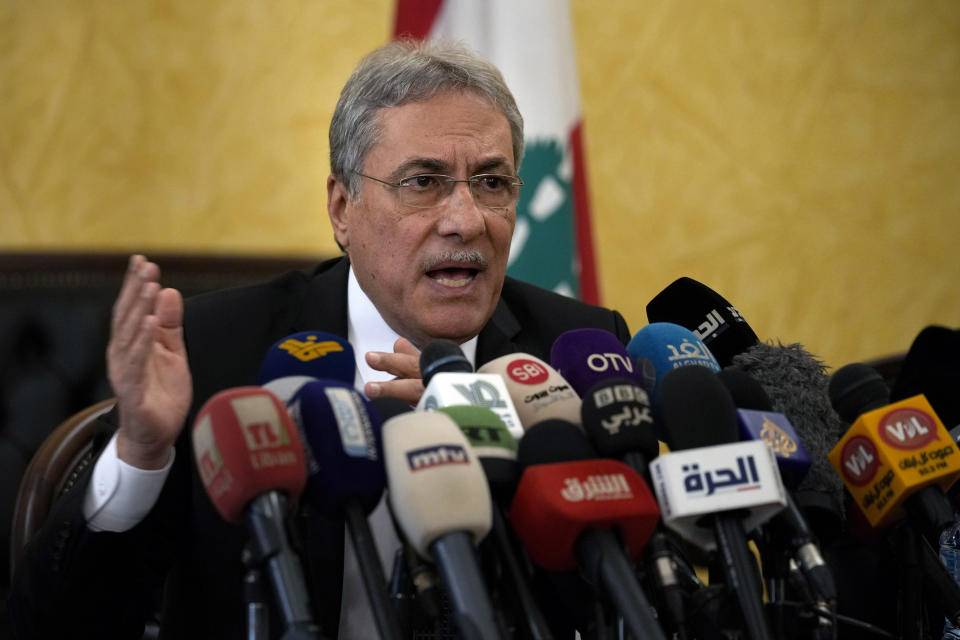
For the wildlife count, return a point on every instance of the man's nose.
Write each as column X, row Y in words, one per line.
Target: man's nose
column 462, row 215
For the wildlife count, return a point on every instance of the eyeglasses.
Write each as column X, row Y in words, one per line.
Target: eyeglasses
column 426, row 190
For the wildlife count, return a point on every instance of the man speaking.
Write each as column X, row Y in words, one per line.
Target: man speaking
column 425, row 147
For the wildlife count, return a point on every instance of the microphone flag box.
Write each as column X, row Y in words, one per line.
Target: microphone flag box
column 478, row 389
column 890, row 453
column 695, row 483
column 775, row 429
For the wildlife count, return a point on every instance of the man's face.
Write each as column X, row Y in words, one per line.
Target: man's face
column 402, row 255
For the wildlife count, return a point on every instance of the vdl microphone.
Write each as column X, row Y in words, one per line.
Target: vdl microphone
column 250, row 459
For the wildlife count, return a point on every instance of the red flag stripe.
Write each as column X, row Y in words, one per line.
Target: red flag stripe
column 415, row 17
column 589, row 287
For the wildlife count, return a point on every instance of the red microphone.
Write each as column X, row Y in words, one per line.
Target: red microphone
column 250, row 458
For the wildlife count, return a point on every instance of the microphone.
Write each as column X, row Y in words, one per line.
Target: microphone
column 301, row 357
column 702, row 310
column 441, row 503
column 250, row 459
column 536, row 390
column 710, row 479
column 669, row 346
column 566, row 507
column 347, row 478
column 898, row 460
column 449, row 381
column 758, row 422
column 930, row 367
column 497, row 451
column 584, row 357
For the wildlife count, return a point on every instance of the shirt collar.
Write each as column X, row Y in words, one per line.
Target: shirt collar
column 368, row 331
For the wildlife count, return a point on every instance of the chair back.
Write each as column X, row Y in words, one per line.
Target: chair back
column 53, row 470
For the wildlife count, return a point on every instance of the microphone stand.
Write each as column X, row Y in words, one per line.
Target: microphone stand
column 255, row 598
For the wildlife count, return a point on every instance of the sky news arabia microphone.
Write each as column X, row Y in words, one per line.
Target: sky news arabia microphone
column 301, row 357
column 897, row 460
column 788, row 528
column 617, row 416
column 449, row 380
column 440, row 500
column 536, row 390
column 568, row 509
column 250, row 458
column 584, row 357
column 497, row 451
column 346, row 477
column 710, row 480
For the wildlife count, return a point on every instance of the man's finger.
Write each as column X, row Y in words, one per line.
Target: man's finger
column 128, row 329
column 407, row 390
column 139, row 272
column 169, row 312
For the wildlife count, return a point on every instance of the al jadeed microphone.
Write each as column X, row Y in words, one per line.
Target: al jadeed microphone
column 346, row 477
column 301, row 357
column 440, row 500
column 759, row 422
column 536, row 390
column 711, row 488
column 702, row 310
column 449, row 380
column 584, row 357
column 569, row 508
column 250, row 458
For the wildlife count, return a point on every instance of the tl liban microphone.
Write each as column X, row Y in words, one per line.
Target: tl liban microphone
column 250, row 459
column 449, row 380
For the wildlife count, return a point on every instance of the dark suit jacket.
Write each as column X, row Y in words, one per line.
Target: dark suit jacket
column 79, row 583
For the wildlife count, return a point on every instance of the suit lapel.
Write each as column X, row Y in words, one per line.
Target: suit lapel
column 497, row 336
column 325, row 303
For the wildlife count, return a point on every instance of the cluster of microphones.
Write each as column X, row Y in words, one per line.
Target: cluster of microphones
column 658, row 490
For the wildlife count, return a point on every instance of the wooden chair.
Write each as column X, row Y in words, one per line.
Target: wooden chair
column 53, row 469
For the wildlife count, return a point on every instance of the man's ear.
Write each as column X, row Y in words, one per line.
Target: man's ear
column 337, row 200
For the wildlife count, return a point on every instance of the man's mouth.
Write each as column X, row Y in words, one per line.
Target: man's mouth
column 453, row 276
column 455, row 269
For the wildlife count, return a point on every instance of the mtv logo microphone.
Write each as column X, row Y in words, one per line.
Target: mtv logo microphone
column 488, row 390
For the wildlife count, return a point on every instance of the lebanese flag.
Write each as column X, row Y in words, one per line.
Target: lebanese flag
column 531, row 42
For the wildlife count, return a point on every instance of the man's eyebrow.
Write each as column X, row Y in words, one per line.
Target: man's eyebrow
column 493, row 165
column 415, row 165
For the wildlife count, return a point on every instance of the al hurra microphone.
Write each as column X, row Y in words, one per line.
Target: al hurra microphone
column 440, row 500
column 536, row 390
column 567, row 508
column 346, row 477
column 497, row 451
column 301, row 357
column 250, row 459
column 448, row 380
column 702, row 310
column 712, row 488
column 584, row 357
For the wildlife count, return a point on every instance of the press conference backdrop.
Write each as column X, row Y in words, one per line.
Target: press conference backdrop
column 800, row 158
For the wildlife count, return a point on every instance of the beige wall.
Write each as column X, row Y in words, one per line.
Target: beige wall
column 802, row 157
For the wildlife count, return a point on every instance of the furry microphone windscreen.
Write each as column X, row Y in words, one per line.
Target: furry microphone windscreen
column 796, row 383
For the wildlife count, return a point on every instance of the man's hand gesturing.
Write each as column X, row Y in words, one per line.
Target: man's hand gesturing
column 147, row 366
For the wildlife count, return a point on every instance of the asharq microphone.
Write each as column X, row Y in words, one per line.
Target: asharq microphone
column 711, row 488
column 346, row 477
column 699, row 308
column 497, row 451
column 536, row 390
column 758, row 422
column 618, row 418
column 440, row 500
column 448, row 380
column 250, row 459
column 567, row 508
column 300, row 357
column 584, row 357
